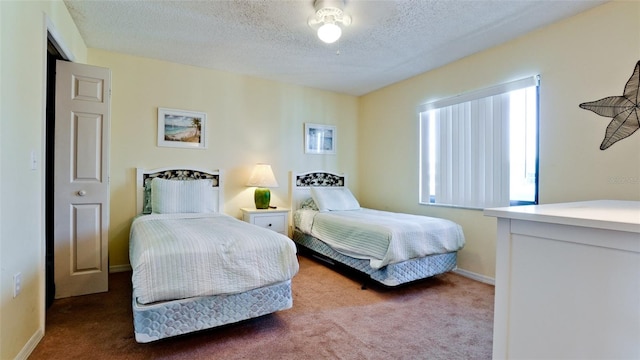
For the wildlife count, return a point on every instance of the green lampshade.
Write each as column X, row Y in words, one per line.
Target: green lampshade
column 262, row 197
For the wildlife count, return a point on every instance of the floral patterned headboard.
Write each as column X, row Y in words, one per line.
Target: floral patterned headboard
column 302, row 183
column 144, row 177
column 319, row 178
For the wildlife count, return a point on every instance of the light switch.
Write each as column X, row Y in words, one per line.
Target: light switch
column 34, row 162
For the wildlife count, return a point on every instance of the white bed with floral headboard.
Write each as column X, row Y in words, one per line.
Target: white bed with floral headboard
column 390, row 248
column 194, row 267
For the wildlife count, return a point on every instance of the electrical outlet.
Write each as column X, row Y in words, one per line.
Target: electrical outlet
column 17, row 284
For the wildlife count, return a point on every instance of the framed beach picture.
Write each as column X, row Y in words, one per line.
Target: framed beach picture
column 182, row 128
column 319, row 139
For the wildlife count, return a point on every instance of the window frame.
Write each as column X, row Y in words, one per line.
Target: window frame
column 501, row 89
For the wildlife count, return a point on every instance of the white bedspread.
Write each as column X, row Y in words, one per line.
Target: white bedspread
column 382, row 237
column 176, row 256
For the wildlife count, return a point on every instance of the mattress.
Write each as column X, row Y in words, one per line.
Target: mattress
column 381, row 237
column 178, row 256
column 390, row 275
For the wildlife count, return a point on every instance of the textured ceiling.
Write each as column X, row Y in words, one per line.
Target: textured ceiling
column 388, row 41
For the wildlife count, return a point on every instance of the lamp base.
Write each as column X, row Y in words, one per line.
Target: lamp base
column 262, row 197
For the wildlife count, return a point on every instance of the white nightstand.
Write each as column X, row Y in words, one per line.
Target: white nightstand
column 274, row 219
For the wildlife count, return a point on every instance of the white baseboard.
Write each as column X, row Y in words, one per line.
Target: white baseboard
column 30, row 345
column 119, row 268
column 475, row 276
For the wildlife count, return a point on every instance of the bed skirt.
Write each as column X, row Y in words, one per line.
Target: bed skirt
column 390, row 275
column 161, row 320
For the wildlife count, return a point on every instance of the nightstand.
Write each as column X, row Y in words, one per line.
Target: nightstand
column 274, row 219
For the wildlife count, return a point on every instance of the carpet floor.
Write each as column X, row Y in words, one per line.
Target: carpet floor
column 444, row 317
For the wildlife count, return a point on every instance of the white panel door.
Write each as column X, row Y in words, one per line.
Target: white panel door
column 81, row 180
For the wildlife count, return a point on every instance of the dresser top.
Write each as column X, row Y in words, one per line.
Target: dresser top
column 606, row 214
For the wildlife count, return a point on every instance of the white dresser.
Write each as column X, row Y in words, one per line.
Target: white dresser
column 568, row 281
column 274, row 219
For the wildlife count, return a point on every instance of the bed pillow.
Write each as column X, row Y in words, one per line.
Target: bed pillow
column 182, row 196
column 309, row 204
column 334, row 198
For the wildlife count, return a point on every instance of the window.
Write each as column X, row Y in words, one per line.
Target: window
column 480, row 149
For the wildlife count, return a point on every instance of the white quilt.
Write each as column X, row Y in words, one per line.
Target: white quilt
column 176, row 256
column 382, row 237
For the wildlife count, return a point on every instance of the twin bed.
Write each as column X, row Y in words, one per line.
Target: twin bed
column 195, row 268
column 388, row 248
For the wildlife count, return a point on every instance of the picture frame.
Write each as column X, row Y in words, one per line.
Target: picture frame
column 182, row 129
column 319, row 139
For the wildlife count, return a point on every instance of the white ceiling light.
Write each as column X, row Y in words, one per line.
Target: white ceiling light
column 329, row 15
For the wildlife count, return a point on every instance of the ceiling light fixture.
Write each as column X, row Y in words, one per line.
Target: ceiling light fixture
column 328, row 15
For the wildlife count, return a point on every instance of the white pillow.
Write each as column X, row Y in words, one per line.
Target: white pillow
column 334, row 198
column 182, row 196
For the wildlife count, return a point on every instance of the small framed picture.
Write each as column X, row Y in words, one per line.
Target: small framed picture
column 319, row 139
column 182, row 128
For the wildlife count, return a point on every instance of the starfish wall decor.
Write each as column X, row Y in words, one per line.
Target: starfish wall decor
column 624, row 111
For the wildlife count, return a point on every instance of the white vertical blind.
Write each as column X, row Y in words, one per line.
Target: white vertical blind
column 471, row 148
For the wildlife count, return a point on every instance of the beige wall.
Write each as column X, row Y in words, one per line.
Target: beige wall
column 584, row 58
column 249, row 120
column 581, row 59
column 22, row 69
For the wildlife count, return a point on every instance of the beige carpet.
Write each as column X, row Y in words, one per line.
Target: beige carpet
column 445, row 317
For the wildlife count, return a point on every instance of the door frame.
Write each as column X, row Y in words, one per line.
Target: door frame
column 51, row 35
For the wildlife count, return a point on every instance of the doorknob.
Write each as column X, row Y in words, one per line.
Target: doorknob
column 82, row 193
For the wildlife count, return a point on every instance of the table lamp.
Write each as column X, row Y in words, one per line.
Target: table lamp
column 262, row 177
